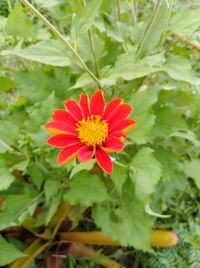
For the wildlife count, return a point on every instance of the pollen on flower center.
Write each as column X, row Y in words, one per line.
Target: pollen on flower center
column 92, row 131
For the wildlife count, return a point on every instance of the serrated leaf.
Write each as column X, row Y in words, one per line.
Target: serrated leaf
column 9, row 133
column 86, row 189
column 51, row 52
column 6, row 178
column 128, row 68
column 16, row 208
column 168, row 121
column 37, row 174
column 6, row 83
column 180, row 68
column 142, row 112
column 8, row 252
column 39, row 114
column 82, row 166
column 170, row 162
column 145, row 173
column 18, row 24
column 119, row 177
column 155, row 27
column 42, row 81
column 51, row 188
column 184, row 22
column 192, row 170
column 127, row 223
column 85, row 18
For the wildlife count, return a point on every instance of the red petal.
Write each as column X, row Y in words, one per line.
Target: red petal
column 118, row 134
column 62, row 140
column 97, row 103
column 122, row 125
column 103, row 160
column 68, row 153
column 63, row 116
column 85, row 154
column 121, row 112
column 113, row 144
column 84, row 103
column 59, row 127
column 73, row 107
column 111, row 106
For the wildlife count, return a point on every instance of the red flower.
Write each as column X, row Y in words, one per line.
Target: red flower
column 90, row 129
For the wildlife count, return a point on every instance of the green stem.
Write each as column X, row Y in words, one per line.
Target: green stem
column 62, row 38
column 9, row 5
column 134, row 12
column 91, row 40
column 118, row 10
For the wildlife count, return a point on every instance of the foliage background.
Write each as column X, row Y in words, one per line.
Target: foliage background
column 144, row 51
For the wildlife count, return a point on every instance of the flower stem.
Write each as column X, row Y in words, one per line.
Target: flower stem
column 118, row 10
column 134, row 12
column 9, row 5
column 159, row 238
column 91, row 40
column 62, row 38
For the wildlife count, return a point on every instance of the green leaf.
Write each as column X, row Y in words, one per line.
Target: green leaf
column 192, row 170
column 155, row 28
column 145, row 173
column 185, row 22
column 84, row 19
column 18, row 24
column 8, row 252
column 119, row 177
column 16, row 208
column 127, row 223
column 170, row 162
column 168, row 121
column 86, row 189
column 128, row 68
column 51, row 188
column 6, row 178
column 37, row 174
column 6, row 83
column 180, row 68
column 142, row 102
column 9, row 133
column 82, row 166
column 40, row 114
column 51, row 52
column 36, row 85
column 49, row 4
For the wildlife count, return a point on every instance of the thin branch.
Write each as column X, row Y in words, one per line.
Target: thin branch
column 9, row 5
column 118, row 10
column 91, row 40
column 62, row 38
column 134, row 11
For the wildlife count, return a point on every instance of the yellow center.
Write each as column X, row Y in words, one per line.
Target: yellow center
column 92, row 131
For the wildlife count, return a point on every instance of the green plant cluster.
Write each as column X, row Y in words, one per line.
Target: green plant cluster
column 147, row 52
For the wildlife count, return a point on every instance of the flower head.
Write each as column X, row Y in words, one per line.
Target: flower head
column 90, row 129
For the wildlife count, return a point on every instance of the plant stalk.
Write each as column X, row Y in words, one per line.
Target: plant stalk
column 62, row 38
column 91, row 41
column 134, row 11
column 118, row 10
column 160, row 238
column 9, row 5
